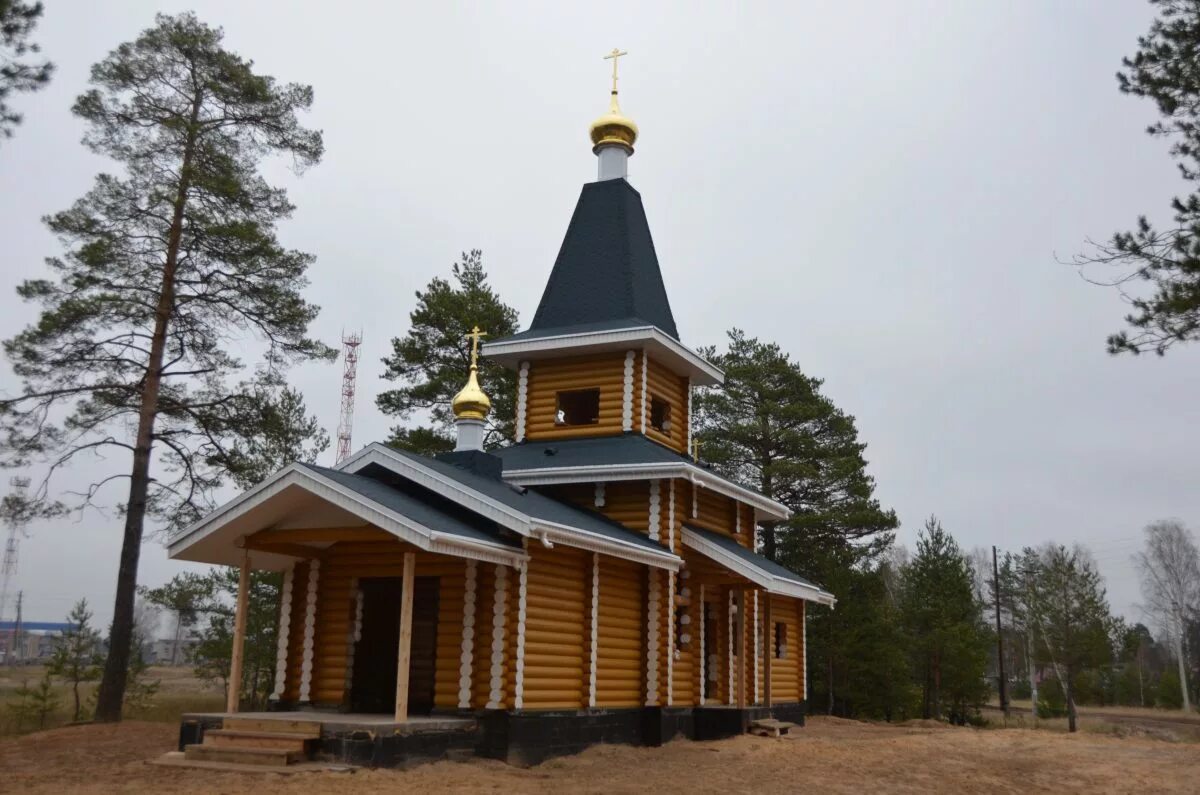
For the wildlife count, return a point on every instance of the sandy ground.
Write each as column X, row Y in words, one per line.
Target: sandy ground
column 829, row 755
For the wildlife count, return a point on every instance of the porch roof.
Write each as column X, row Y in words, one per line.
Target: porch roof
column 760, row 570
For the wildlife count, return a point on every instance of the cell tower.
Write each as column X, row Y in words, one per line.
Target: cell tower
column 9, row 566
column 350, row 343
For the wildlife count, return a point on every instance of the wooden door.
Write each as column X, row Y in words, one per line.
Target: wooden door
column 373, row 680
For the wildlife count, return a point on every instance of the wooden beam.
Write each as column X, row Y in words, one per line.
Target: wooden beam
column 404, row 655
column 239, row 635
column 301, row 535
column 768, row 647
column 291, row 550
column 740, row 624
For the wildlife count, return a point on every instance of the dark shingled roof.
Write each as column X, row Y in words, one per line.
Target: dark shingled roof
column 535, row 504
column 606, row 275
column 753, row 558
column 628, row 448
column 418, row 507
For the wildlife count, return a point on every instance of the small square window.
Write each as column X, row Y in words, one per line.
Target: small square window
column 660, row 415
column 780, row 640
column 578, row 407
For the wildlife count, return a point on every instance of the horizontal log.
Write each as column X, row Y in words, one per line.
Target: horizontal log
column 550, row 651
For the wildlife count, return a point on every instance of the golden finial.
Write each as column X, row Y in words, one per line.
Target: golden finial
column 613, row 127
column 613, row 56
column 471, row 403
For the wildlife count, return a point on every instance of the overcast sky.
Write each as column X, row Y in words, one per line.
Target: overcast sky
column 882, row 188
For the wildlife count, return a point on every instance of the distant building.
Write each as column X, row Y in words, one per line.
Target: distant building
column 32, row 643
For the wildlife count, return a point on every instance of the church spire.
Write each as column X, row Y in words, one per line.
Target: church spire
column 613, row 134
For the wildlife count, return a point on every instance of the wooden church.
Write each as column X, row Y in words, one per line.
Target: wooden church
column 593, row 582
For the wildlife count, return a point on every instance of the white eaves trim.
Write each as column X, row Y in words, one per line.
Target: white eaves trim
column 545, row 476
column 769, row 582
column 364, row 508
column 593, row 542
column 376, row 453
column 702, row 371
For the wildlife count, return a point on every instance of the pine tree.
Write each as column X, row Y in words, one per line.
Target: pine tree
column 17, row 21
column 214, row 645
column 35, row 703
column 166, row 267
column 945, row 625
column 184, row 596
column 1166, row 260
column 1068, row 607
column 430, row 362
column 769, row 428
column 77, row 657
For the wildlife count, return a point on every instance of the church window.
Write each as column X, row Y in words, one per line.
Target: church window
column 660, row 415
column 578, row 407
column 780, row 640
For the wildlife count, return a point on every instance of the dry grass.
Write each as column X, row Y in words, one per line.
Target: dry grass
column 830, row 755
column 180, row 691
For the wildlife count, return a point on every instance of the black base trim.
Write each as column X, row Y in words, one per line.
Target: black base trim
column 522, row 738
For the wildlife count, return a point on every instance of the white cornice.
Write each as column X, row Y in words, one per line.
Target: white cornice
column 768, row 581
column 687, row 361
column 545, row 476
column 594, row 542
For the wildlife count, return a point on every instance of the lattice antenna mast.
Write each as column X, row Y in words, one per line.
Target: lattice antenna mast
column 350, row 343
column 8, row 568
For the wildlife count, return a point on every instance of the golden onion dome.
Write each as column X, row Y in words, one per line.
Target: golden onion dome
column 471, row 403
column 613, row 128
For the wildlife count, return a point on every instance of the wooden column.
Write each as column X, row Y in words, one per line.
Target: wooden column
column 768, row 647
column 239, row 635
column 404, row 655
column 740, row 628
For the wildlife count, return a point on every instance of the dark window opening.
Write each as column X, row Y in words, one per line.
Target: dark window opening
column 578, row 407
column 660, row 415
column 780, row 640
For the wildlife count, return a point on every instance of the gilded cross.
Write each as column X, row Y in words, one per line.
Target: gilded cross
column 613, row 56
column 474, row 337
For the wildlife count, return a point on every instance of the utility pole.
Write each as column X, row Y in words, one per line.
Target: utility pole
column 1000, row 635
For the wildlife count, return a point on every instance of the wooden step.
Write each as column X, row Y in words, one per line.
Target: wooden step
column 308, row 728
column 238, row 738
column 264, row 757
column 770, row 727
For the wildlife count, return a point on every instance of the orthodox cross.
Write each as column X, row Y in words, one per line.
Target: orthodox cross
column 474, row 337
column 613, row 56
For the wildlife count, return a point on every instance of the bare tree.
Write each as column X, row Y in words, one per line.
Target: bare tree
column 1170, row 570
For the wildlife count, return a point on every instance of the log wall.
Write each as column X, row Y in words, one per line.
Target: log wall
column 547, row 378
column 666, row 385
column 556, row 628
column 291, row 689
column 620, row 654
column 716, row 512
column 787, row 673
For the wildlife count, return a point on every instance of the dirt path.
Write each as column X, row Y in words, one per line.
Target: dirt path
column 830, row 755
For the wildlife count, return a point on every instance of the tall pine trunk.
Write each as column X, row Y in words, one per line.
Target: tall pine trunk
column 111, row 695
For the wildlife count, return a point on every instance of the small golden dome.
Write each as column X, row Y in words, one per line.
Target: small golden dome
column 614, row 128
column 471, row 403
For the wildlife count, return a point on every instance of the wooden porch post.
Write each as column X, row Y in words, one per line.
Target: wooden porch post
column 239, row 635
column 404, row 658
column 740, row 624
column 768, row 647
